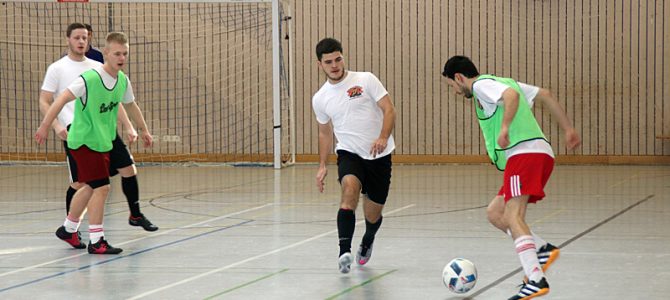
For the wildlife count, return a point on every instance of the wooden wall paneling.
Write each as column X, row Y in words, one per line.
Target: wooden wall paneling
column 635, row 80
column 643, row 72
column 609, row 100
column 665, row 80
column 624, row 73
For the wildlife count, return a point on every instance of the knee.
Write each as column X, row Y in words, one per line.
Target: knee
column 76, row 185
column 128, row 171
column 351, row 187
column 494, row 214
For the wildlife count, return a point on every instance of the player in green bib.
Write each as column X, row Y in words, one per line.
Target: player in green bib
column 94, row 123
column 98, row 93
column 516, row 145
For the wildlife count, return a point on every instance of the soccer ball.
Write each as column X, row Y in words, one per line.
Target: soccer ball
column 459, row 275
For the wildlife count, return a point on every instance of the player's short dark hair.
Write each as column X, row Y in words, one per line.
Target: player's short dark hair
column 328, row 45
column 460, row 64
column 74, row 26
column 88, row 27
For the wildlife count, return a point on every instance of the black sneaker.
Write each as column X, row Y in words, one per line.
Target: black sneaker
column 546, row 255
column 73, row 239
column 142, row 221
column 531, row 290
column 102, row 247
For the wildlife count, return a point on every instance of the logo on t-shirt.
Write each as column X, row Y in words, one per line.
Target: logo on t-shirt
column 355, row 92
column 107, row 108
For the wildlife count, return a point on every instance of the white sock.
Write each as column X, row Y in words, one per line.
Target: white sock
column 525, row 248
column 71, row 226
column 539, row 242
column 95, row 233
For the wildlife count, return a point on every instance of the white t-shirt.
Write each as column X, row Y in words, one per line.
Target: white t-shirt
column 59, row 76
column 489, row 93
column 78, row 86
column 351, row 105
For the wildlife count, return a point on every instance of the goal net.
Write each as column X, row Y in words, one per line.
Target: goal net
column 201, row 73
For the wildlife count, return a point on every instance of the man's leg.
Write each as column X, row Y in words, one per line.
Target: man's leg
column 346, row 219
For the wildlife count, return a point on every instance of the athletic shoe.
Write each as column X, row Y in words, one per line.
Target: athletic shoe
column 547, row 255
column 73, row 239
column 142, row 221
column 344, row 262
column 102, row 247
column 363, row 254
column 531, row 290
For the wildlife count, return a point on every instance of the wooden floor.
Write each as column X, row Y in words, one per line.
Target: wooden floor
column 258, row 233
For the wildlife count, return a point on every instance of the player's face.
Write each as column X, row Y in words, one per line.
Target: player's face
column 78, row 41
column 332, row 65
column 116, row 55
column 459, row 86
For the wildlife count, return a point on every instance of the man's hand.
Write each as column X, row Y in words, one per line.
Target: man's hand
column 321, row 177
column 572, row 139
column 378, row 147
column 147, row 138
column 41, row 135
column 503, row 138
column 61, row 132
column 131, row 134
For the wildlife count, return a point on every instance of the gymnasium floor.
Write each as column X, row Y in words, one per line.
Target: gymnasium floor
column 257, row 233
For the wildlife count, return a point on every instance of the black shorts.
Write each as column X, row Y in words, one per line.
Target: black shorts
column 119, row 158
column 374, row 175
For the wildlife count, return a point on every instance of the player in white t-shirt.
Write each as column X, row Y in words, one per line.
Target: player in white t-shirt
column 58, row 77
column 515, row 143
column 356, row 107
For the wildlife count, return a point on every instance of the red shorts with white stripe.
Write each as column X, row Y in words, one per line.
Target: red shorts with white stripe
column 526, row 174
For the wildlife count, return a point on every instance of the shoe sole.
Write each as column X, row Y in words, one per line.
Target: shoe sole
column 552, row 258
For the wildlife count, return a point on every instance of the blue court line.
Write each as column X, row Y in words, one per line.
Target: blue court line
column 120, row 257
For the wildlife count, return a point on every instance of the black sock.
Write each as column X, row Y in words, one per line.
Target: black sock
column 346, row 222
column 132, row 192
column 68, row 199
column 370, row 231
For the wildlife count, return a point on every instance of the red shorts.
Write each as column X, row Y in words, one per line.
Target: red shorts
column 526, row 174
column 91, row 165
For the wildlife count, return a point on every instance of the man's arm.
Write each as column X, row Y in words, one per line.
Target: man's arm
column 122, row 117
column 511, row 102
column 136, row 115
column 545, row 97
column 387, row 126
column 325, row 145
column 46, row 98
column 51, row 114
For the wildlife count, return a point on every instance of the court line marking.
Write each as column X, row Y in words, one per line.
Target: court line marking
column 347, row 290
column 137, row 239
column 192, row 278
column 237, row 287
column 119, row 257
column 569, row 241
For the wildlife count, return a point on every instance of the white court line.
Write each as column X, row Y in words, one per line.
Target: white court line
column 251, row 259
column 137, row 239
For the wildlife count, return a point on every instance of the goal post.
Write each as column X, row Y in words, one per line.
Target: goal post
column 212, row 78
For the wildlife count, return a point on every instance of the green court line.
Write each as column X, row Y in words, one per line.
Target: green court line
column 245, row 284
column 360, row 285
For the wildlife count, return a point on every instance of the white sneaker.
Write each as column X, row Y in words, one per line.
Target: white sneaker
column 344, row 262
column 363, row 255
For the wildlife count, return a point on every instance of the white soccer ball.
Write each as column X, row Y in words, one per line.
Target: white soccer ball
column 459, row 275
